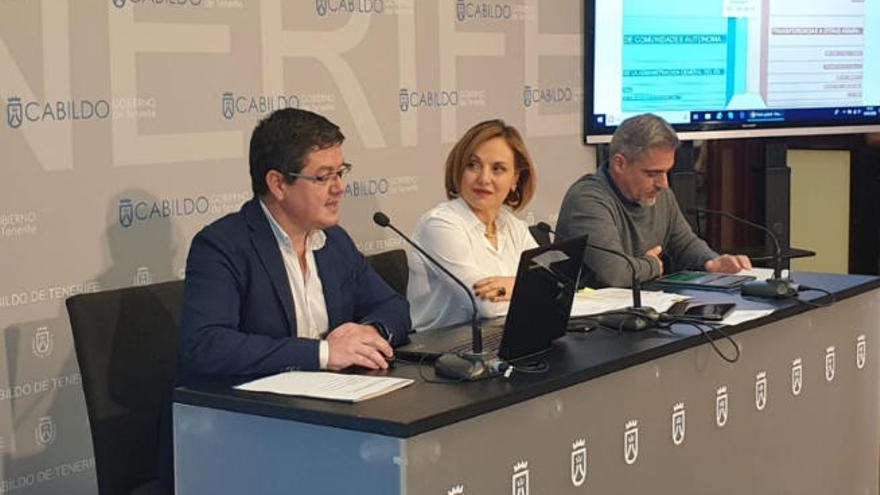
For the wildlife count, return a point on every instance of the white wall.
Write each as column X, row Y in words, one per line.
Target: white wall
column 141, row 130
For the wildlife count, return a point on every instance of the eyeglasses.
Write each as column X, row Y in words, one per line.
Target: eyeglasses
column 323, row 179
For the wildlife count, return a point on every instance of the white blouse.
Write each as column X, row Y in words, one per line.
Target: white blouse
column 454, row 236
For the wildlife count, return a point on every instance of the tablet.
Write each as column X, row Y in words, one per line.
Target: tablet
column 703, row 280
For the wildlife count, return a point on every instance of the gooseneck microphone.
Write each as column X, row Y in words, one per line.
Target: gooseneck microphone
column 776, row 286
column 636, row 317
column 466, row 366
column 640, row 317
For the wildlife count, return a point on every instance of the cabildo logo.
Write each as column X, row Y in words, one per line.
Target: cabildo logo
column 377, row 246
column 142, row 276
column 382, row 186
column 7, row 446
column 45, row 431
column 226, row 4
column 226, row 202
column 46, row 474
column 46, row 294
column 534, row 95
column 131, row 211
column 42, row 343
column 134, row 107
column 398, row 7
column 368, row 187
column 121, row 3
column 17, row 111
column 416, row 99
column 233, row 104
column 324, row 7
column 18, row 224
column 481, row 10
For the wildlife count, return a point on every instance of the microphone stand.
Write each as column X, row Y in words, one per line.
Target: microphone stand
column 635, row 317
column 777, row 286
column 465, row 366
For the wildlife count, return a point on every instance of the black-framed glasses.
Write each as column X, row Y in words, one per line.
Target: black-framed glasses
column 325, row 178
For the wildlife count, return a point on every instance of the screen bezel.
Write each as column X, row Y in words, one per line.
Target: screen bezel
column 594, row 134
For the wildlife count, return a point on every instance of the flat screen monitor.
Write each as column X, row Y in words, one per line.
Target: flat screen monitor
column 733, row 68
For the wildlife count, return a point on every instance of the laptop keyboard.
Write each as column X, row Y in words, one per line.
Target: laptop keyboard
column 491, row 341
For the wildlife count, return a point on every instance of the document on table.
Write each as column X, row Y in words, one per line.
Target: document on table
column 763, row 273
column 743, row 315
column 323, row 385
column 591, row 302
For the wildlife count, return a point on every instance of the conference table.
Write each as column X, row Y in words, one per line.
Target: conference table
column 610, row 412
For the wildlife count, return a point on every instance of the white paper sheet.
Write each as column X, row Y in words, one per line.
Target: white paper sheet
column 324, row 385
column 591, row 302
column 762, row 273
column 742, row 315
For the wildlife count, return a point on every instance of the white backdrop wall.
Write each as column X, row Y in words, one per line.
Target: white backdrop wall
column 126, row 130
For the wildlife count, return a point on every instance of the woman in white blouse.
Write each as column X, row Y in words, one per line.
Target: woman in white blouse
column 475, row 235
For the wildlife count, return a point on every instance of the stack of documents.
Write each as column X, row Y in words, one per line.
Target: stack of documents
column 591, row 302
column 330, row 386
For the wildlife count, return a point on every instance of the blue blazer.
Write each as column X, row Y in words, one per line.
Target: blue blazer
column 238, row 317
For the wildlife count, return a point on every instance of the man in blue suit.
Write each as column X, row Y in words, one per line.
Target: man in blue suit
column 279, row 286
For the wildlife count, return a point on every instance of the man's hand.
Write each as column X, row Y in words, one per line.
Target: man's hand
column 655, row 253
column 355, row 344
column 495, row 289
column 729, row 263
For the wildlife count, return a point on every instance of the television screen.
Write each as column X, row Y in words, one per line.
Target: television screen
column 733, row 68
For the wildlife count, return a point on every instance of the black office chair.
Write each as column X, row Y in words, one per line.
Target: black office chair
column 393, row 268
column 541, row 237
column 126, row 344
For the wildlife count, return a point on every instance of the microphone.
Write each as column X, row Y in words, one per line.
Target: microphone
column 775, row 286
column 465, row 366
column 634, row 318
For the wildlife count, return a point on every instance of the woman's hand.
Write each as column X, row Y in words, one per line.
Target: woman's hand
column 494, row 289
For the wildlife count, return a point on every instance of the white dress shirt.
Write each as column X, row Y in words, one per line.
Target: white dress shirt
column 454, row 236
column 308, row 291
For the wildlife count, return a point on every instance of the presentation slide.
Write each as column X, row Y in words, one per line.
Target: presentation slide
column 736, row 60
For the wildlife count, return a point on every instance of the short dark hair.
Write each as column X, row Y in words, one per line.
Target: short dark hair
column 640, row 133
column 464, row 149
column 283, row 140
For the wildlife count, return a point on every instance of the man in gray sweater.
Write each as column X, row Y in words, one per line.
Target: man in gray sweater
column 627, row 206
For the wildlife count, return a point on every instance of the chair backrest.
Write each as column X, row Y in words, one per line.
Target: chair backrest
column 393, row 268
column 126, row 345
column 542, row 237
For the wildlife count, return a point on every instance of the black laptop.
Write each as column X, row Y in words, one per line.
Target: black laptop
column 546, row 280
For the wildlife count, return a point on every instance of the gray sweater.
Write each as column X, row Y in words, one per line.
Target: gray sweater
column 595, row 206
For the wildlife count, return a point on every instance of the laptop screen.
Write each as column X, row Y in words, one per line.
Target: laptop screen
column 546, row 282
